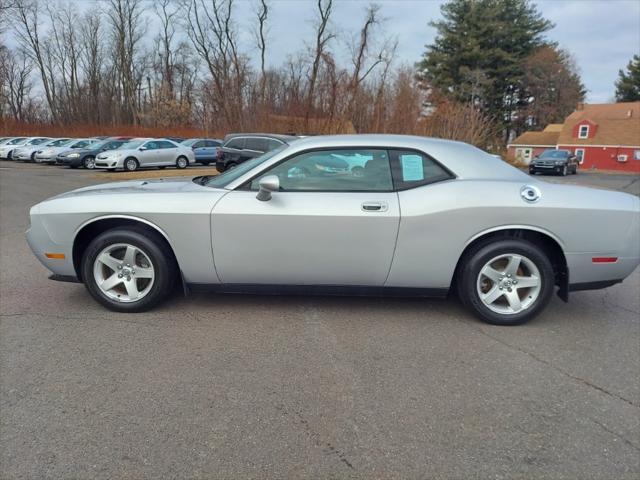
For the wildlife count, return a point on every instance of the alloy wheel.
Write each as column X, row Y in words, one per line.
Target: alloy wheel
column 90, row 163
column 123, row 272
column 509, row 284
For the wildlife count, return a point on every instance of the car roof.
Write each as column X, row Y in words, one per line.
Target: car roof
column 465, row 160
column 277, row 136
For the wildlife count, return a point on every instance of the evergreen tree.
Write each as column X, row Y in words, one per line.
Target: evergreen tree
column 628, row 83
column 479, row 53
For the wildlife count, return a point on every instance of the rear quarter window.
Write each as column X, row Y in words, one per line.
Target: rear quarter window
column 412, row 169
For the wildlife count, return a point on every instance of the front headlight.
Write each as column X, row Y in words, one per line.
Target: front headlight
column 73, row 155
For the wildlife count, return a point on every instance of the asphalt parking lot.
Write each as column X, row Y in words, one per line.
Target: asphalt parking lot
column 223, row 386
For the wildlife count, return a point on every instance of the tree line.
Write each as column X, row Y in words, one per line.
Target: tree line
column 489, row 74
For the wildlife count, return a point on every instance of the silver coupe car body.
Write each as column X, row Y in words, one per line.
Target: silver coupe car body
column 406, row 234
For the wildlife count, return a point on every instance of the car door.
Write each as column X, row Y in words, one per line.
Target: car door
column 148, row 154
column 167, row 153
column 253, row 147
column 321, row 228
column 233, row 149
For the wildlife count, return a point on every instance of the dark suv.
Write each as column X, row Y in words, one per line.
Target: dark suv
column 240, row 147
column 560, row 162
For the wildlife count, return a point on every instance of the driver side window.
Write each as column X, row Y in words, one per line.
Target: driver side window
column 351, row 170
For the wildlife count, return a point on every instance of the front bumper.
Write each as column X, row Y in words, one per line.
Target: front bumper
column 556, row 169
column 41, row 243
column 45, row 159
column 108, row 163
column 69, row 162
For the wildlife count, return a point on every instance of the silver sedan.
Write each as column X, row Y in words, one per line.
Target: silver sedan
column 425, row 217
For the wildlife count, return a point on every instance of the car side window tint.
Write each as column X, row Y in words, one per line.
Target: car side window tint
column 334, row 170
column 212, row 143
column 257, row 144
column 199, row 144
column 163, row 144
column 414, row 169
column 151, row 145
column 272, row 144
column 236, row 143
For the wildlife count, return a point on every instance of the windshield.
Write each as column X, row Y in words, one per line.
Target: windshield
column 58, row 143
column 132, row 144
column 37, row 141
column 554, row 155
column 82, row 144
column 17, row 140
column 224, row 179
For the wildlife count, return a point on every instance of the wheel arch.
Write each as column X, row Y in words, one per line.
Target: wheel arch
column 551, row 244
column 95, row 226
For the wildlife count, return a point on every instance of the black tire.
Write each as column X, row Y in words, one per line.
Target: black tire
column 182, row 162
column 73, row 166
column 564, row 171
column 230, row 165
column 475, row 260
column 130, row 164
column 154, row 247
column 33, row 157
column 205, row 162
column 89, row 162
column 162, row 167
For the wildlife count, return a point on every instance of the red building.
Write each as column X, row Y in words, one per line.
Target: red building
column 604, row 136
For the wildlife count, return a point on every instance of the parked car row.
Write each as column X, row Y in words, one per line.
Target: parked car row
column 111, row 153
column 130, row 154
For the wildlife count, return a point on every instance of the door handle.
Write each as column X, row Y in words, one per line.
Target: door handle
column 374, row 206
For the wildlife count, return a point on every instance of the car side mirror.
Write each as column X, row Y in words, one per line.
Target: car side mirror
column 268, row 184
column 142, row 149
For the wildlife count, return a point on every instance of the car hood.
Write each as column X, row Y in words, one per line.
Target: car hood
column 157, row 185
column 81, row 151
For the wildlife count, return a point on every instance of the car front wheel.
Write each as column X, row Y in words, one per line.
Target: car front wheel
column 128, row 270
column 131, row 165
column 89, row 162
column 506, row 282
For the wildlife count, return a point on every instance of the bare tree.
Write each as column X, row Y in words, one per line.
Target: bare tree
column 127, row 30
column 26, row 14
column 322, row 38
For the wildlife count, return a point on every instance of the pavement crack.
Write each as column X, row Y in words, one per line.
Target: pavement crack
column 581, row 380
column 615, row 434
column 327, row 447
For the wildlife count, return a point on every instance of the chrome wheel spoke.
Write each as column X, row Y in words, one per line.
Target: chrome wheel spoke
column 132, row 289
column 142, row 272
column 491, row 273
column 106, row 259
column 130, row 255
column 492, row 295
column 527, row 282
column 514, row 300
column 111, row 282
column 513, row 265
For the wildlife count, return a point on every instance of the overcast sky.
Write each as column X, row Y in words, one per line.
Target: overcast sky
column 602, row 35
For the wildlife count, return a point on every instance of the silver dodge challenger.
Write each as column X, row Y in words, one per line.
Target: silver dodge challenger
column 422, row 217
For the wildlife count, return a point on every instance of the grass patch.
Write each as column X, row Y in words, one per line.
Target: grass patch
column 155, row 173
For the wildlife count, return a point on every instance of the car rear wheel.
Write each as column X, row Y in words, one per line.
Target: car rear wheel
column 131, row 164
column 128, row 270
column 506, row 282
column 89, row 162
column 231, row 165
column 182, row 162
